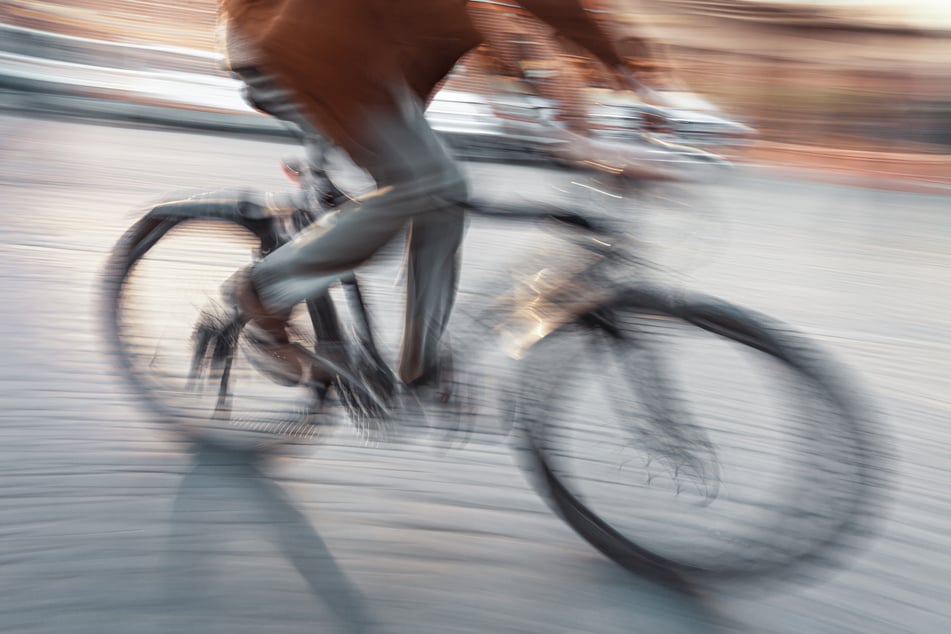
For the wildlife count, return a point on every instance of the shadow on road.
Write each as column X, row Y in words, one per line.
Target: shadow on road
column 223, row 507
column 217, row 577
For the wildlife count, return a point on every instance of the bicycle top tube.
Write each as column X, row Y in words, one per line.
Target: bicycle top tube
column 536, row 212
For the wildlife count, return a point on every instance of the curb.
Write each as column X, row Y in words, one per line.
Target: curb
column 47, row 98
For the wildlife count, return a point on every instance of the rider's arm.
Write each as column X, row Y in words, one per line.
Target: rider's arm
column 571, row 21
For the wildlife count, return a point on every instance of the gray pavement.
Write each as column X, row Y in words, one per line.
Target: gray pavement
column 109, row 524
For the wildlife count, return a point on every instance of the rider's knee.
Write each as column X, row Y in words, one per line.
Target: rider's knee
column 442, row 181
column 454, row 187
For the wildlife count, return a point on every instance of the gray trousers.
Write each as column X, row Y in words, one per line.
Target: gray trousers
column 419, row 187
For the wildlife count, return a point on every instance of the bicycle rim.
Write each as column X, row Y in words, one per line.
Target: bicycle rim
column 699, row 437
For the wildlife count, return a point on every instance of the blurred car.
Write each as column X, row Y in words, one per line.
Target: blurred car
column 692, row 119
column 497, row 126
column 522, row 126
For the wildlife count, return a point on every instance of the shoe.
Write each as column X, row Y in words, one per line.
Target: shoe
column 271, row 351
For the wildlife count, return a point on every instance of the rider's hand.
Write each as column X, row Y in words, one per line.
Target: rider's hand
column 655, row 115
column 647, row 94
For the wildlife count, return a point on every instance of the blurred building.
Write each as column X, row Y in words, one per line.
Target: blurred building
column 831, row 74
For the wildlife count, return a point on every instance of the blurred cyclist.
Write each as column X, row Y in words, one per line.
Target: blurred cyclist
column 360, row 71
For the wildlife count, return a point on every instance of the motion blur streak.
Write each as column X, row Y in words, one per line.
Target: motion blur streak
column 835, row 220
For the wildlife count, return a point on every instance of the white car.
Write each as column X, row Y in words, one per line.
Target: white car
column 521, row 122
column 692, row 119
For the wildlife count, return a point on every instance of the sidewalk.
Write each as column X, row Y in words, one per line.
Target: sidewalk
column 39, row 97
column 899, row 171
column 104, row 80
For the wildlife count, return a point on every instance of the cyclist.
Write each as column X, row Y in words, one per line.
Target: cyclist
column 360, row 71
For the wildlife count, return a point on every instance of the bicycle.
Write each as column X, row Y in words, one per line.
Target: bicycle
column 579, row 337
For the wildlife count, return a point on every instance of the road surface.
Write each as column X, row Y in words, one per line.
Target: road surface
column 110, row 525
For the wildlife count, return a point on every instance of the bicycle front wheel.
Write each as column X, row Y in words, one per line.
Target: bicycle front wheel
column 689, row 435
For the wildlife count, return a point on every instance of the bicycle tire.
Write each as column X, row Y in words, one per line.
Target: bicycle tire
column 128, row 331
column 831, row 488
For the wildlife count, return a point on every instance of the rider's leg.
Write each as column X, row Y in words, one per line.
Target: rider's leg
column 432, row 271
column 419, row 183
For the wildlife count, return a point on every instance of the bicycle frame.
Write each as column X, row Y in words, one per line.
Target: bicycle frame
column 528, row 313
column 523, row 318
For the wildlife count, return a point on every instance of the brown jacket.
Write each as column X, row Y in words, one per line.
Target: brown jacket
column 343, row 57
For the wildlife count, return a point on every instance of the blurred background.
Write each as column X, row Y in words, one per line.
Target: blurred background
column 851, row 84
column 837, row 115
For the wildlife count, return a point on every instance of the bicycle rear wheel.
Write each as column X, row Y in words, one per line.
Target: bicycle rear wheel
column 179, row 341
column 692, row 436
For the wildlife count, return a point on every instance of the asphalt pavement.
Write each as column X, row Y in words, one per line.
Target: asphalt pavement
column 110, row 524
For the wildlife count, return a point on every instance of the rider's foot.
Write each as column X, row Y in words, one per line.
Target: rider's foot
column 271, row 351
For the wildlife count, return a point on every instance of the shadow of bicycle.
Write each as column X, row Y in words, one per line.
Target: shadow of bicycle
column 236, row 539
column 217, row 568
